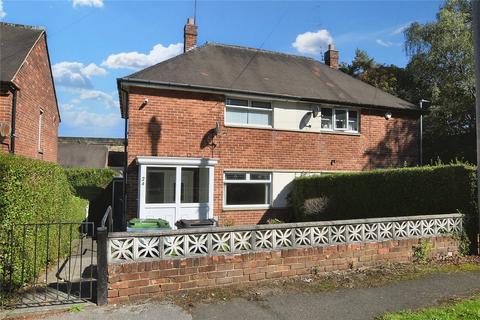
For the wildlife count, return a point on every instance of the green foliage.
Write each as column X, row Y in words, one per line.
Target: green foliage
column 389, row 78
column 34, row 191
column 442, row 69
column 469, row 309
column 422, row 252
column 89, row 183
column 465, row 244
column 387, row 193
column 275, row 221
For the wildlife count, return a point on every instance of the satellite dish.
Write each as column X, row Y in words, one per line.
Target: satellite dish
column 4, row 129
column 315, row 111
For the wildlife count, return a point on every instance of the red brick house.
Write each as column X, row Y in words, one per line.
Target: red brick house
column 29, row 115
column 221, row 131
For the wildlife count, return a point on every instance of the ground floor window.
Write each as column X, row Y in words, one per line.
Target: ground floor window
column 161, row 185
column 247, row 188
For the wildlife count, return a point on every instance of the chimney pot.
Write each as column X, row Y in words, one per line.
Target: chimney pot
column 189, row 35
column 331, row 57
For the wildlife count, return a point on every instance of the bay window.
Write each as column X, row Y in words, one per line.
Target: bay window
column 247, row 188
column 248, row 112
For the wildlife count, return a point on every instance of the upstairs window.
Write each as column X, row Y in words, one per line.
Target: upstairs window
column 248, row 112
column 339, row 119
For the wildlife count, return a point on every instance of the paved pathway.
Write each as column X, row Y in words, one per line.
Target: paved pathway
column 351, row 304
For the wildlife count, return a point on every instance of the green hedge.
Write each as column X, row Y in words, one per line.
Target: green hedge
column 89, row 183
column 34, row 191
column 384, row 193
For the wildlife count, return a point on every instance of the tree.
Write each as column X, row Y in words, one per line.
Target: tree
column 389, row 78
column 442, row 69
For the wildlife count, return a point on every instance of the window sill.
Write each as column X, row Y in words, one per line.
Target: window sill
column 345, row 133
column 249, row 126
column 246, row 208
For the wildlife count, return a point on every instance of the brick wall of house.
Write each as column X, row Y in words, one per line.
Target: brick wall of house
column 36, row 93
column 144, row 279
column 173, row 124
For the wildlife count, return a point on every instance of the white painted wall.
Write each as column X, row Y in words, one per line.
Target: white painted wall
column 282, row 185
column 294, row 116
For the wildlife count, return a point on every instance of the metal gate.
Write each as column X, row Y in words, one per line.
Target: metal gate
column 47, row 264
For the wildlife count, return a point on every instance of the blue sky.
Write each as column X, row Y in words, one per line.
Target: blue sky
column 93, row 42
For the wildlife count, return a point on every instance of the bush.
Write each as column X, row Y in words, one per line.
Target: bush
column 385, row 193
column 34, row 191
column 89, row 183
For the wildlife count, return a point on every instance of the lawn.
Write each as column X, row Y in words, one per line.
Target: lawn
column 469, row 309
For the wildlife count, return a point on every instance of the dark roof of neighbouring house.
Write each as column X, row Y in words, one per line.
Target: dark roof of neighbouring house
column 16, row 41
column 234, row 69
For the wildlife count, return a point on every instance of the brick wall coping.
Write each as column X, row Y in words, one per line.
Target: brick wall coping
column 280, row 226
column 125, row 246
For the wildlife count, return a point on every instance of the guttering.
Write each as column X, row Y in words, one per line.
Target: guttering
column 218, row 90
column 172, row 161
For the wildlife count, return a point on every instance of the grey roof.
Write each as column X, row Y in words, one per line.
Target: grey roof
column 245, row 70
column 16, row 41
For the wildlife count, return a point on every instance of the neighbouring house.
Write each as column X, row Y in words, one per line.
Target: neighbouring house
column 86, row 152
column 29, row 115
column 221, row 131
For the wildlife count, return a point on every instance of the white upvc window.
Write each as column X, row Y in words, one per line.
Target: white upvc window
column 339, row 119
column 248, row 112
column 247, row 189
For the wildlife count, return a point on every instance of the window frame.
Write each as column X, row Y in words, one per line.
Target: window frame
column 248, row 180
column 334, row 119
column 247, row 108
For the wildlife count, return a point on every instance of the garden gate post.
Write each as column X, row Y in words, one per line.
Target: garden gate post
column 102, row 266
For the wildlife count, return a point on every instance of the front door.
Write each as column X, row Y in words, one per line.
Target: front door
column 173, row 189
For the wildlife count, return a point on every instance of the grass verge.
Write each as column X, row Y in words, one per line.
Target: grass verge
column 468, row 309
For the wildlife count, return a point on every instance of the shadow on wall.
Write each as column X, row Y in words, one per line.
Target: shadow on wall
column 155, row 132
column 399, row 147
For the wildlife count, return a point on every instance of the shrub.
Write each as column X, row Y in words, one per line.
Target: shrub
column 385, row 193
column 89, row 183
column 34, row 191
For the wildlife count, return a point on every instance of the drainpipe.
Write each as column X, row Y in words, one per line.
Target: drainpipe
column 125, row 162
column 13, row 89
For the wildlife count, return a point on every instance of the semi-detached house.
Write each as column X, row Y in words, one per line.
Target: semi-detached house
column 220, row 131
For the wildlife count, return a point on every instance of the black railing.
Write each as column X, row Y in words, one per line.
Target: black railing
column 47, row 263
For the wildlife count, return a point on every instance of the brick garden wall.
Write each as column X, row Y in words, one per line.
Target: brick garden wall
column 173, row 124
column 139, row 280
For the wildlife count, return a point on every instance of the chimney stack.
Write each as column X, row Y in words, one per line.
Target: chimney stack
column 331, row 57
column 189, row 35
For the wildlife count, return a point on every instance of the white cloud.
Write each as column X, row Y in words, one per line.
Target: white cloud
column 88, row 3
column 384, row 43
column 137, row 60
column 92, row 95
column 91, row 123
column 2, row 12
column 75, row 74
column 312, row 42
column 400, row 29
column 99, row 96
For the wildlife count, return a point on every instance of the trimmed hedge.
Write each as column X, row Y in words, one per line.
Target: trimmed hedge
column 385, row 193
column 89, row 183
column 34, row 191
